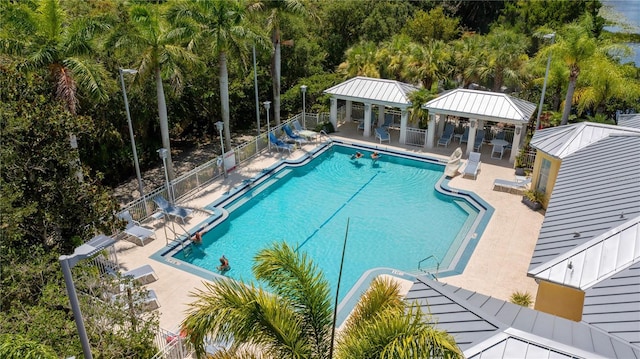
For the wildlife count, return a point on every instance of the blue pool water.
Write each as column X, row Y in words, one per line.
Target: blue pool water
column 396, row 216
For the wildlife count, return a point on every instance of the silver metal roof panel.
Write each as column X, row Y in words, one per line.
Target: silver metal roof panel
column 482, row 105
column 378, row 91
column 512, row 331
column 594, row 188
column 629, row 120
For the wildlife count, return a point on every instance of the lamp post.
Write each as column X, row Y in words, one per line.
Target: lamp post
column 220, row 127
column 67, row 262
column 267, row 106
column 303, row 88
column 164, row 153
column 551, row 36
column 255, row 85
column 133, row 141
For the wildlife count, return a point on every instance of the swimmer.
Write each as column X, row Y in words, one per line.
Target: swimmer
column 224, row 264
column 356, row 155
column 197, row 238
column 375, row 156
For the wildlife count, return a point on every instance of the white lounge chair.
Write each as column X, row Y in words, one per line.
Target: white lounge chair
column 509, row 186
column 134, row 229
column 473, row 165
column 382, row 134
column 172, row 210
column 143, row 274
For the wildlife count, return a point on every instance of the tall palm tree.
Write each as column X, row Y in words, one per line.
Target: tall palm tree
column 218, row 26
column 429, row 63
column 160, row 55
column 46, row 38
column 276, row 10
column 505, row 55
column 294, row 319
column 393, row 56
column 575, row 46
column 467, row 59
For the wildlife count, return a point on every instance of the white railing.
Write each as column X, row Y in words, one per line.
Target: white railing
column 171, row 345
column 528, row 158
column 416, row 136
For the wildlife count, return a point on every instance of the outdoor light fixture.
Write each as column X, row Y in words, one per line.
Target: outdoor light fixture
column 551, row 36
column 220, row 127
column 303, row 88
column 267, row 106
column 517, row 130
column 164, row 154
column 133, row 140
column 473, row 124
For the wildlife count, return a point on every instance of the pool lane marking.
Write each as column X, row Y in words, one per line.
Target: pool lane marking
column 338, row 210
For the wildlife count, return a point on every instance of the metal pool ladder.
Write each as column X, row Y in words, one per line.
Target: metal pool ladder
column 435, row 276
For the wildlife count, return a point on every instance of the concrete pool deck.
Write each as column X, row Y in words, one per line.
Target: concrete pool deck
column 497, row 267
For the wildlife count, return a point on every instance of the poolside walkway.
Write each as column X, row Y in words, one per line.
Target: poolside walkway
column 497, row 267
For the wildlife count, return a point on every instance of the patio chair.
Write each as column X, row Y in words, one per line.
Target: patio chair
column 307, row 134
column 388, row 120
column 517, row 186
column 382, row 134
column 172, row 210
column 149, row 301
column 298, row 139
column 143, row 274
column 447, row 135
column 497, row 151
column 473, row 165
column 465, row 136
column 134, row 229
column 279, row 144
column 477, row 145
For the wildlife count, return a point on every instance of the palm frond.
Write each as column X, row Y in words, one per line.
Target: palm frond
column 91, row 76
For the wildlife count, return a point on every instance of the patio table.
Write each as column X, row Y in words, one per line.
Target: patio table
column 499, row 142
column 308, row 134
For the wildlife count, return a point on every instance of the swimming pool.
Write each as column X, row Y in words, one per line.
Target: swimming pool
column 397, row 217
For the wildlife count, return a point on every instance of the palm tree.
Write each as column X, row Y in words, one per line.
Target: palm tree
column 393, row 56
column 362, row 60
column 276, row 10
column 429, row 63
column 575, row 46
column 505, row 55
column 294, row 319
column 467, row 59
column 45, row 38
column 217, row 26
column 161, row 55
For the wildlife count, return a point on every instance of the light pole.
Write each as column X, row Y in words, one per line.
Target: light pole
column 551, row 36
column 267, row 106
column 133, row 140
column 164, row 153
column 303, row 88
column 255, row 85
column 67, row 262
column 220, row 127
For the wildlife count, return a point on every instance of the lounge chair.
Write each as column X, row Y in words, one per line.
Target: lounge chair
column 388, row 120
column 279, row 144
column 382, row 134
column 134, row 229
column 308, row 134
column 509, row 186
column 498, row 150
column 465, row 136
column 447, row 135
column 149, row 301
column 298, row 139
column 477, row 144
column 473, row 165
column 172, row 210
column 143, row 274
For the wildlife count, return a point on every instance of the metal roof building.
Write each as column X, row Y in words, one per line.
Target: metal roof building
column 486, row 327
column 629, row 120
column 481, row 106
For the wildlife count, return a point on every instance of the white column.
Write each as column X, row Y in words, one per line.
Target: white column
column 440, row 120
column 404, row 121
column 515, row 146
column 367, row 120
column 380, row 115
column 473, row 128
column 347, row 111
column 431, row 131
column 333, row 112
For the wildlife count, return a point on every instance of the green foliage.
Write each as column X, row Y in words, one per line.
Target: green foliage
column 14, row 346
column 432, row 25
column 521, row 298
column 534, row 195
column 325, row 126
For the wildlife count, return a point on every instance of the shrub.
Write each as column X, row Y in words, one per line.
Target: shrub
column 521, row 298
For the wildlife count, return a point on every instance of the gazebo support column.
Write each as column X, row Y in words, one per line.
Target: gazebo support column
column 367, row 120
column 431, row 131
column 473, row 127
column 333, row 112
column 404, row 121
column 347, row 111
column 517, row 139
column 380, row 115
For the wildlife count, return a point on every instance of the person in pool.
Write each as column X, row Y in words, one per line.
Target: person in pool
column 356, row 155
column 197, row 238
column 224, row 264
column 375, row 155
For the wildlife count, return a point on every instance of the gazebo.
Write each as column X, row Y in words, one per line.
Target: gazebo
column 479, row 106
column 370, row 92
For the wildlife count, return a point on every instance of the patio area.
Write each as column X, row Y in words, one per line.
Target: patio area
column 497, row 268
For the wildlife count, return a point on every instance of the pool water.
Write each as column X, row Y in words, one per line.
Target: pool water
column 396, row 217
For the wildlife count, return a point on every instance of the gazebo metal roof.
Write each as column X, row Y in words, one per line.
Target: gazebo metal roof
column 379, row 91
column 482, row 105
